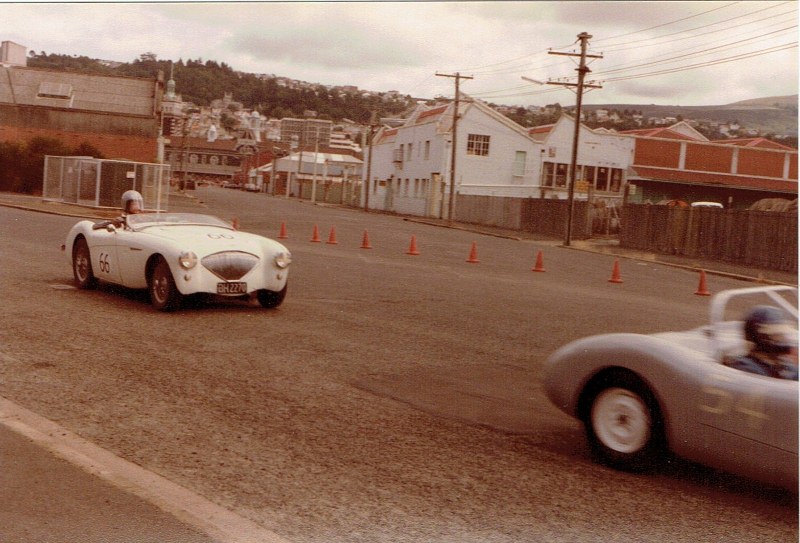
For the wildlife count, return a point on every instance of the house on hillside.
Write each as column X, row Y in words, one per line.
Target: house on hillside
column 117, row 115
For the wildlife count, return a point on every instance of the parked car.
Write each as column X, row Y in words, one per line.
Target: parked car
column 177, row 254
column 639, row 396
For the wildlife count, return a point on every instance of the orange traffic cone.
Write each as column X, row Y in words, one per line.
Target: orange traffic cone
column 539, row 267
column 365, row 241
column 332, row 237
column 473, row 254
column 702, row 289
column 615, row 275
column 282, row 234
column 315, row 236
column 412, row 248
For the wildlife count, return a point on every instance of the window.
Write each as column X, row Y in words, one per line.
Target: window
column 547, row 174
column 477, row 145
column 588, row 174
column 54, row 90
column 561, row 175
column 519, row 163
column 409, row 151
column 616, row 179
column 427, row 149
column 602, row 179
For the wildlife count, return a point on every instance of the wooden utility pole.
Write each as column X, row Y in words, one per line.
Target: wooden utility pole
column 582, row 70
column 372, row 125
column 458, row 77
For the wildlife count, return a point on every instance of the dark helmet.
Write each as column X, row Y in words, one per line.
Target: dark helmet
column 767, row 327
column 129, row 197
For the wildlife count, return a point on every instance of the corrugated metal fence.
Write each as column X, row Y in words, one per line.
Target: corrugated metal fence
column 755, row 238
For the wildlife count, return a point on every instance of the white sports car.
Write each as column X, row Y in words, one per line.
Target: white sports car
column 639, row 395
column 177, row 254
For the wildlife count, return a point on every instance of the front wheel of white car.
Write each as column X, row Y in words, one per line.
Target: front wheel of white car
column 82, row 265
column 623, row 425
column 271, row 299
column 164, row 294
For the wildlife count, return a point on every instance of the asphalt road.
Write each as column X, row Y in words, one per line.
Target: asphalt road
column 390, row 398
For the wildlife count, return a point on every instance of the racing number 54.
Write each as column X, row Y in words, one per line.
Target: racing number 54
column 719, row 400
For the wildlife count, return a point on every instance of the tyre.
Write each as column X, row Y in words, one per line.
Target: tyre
column 623, row 425
column 82, row 265
column 164, row 294
column 271, row 299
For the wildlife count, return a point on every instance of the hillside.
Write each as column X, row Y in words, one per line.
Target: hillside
column 771, row 115
column 201, row 82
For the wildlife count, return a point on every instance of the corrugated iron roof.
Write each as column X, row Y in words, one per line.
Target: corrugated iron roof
column 85, row 92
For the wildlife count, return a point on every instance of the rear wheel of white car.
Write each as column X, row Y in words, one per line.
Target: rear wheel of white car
column 623, row 424
column 271, row 299
column 164, row 294
column 82, row 265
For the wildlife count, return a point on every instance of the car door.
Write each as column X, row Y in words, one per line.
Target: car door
column 103, row 250
column 132, row 257
column 749, row 423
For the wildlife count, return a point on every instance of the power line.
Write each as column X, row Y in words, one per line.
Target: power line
column 653, row 41
column 666, row 24
column 738, row 43
column 743, row 56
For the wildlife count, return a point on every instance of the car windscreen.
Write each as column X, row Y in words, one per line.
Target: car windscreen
column 145, row 220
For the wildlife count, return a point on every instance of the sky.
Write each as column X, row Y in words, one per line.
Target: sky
column 666, row 53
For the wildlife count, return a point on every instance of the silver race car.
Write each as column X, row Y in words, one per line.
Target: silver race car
column 177, row 254
column 688, row 392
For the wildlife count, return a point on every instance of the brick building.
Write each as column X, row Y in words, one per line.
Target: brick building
column 672, row 164
column 117, row 115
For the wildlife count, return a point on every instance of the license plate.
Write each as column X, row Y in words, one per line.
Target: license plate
column 235, row 287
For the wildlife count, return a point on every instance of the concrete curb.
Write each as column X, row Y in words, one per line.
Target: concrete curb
column 186, row 506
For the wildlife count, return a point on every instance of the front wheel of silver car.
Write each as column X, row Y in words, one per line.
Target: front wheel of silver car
column 623, row 425
column 270, row 298
column 82, row 265
column 164, row 294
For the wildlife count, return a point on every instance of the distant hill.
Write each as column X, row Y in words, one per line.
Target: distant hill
column 772, row 101
column 775, row 115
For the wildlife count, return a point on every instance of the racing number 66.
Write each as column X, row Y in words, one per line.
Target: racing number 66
column 104, row 264
column 721, row 401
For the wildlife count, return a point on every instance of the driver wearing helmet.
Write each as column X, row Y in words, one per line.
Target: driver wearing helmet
column 773, row 341
column 132, row 203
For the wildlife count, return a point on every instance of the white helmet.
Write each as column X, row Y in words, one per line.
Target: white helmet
column 130, row 197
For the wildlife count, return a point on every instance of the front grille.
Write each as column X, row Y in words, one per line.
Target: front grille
column 230, row 265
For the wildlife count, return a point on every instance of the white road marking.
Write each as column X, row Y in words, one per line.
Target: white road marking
column 188, row 507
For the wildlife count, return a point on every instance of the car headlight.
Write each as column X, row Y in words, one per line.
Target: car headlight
column 283, row 259
column 187, row 260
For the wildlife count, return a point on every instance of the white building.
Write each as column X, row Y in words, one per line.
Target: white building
column 603, row 161
column 410, row 168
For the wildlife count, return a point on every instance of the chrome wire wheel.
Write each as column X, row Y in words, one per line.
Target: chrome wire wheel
column 82, row 265
column 164, row 294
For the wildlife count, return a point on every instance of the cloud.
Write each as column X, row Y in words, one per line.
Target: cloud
column 402, row 45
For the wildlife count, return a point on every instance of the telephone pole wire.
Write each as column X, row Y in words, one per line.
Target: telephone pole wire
column 458, row 77
column 582, row 71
